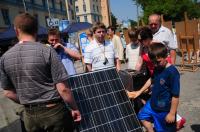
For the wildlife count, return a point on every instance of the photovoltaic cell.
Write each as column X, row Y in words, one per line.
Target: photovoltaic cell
column 103, row 102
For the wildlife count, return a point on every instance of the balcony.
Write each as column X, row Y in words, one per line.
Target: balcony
column 32, row 6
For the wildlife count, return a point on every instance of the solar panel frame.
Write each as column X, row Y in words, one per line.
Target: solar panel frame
column 102, row 100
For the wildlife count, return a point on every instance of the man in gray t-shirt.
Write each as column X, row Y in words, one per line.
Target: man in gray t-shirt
column 33, row 75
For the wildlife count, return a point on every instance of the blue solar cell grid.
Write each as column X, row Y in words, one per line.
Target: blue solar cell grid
column 103, row 102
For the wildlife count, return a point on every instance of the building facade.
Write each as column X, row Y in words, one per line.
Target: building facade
column 39, row 8
column 105, row 11
column 88, row 11
column 70, row 7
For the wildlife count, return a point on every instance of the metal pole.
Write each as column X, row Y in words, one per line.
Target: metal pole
column 48, row 8
column 24, row 6
column 137, row 16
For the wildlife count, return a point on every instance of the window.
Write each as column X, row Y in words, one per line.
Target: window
column 77, row 9
column 84, row 7
column 46, row 20
column 71, row 2
column 36, row 16
column 53, row 4
column 94, row 8
column 85, row 19
column 97, row 9
column 61, row 5
column 44, row 3
column 72, row 14
column 5, row 15
column 78, row 19
column 96, row 18
column 32, row 2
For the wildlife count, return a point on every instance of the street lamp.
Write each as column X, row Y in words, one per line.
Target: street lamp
column 24, row 3
column 137, row 8
column 48, row 8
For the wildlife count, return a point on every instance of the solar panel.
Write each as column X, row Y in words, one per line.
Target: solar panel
column 103, row 102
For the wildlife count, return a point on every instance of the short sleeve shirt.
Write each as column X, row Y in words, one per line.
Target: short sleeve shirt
column 132, row 53
column 96, row 53
column 166, row 84
column 32, row 70
column 165, row 36
column 67, row 60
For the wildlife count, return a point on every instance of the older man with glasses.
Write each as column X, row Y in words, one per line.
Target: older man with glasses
column 163, row 35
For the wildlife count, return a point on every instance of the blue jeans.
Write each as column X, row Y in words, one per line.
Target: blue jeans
column 52, row 119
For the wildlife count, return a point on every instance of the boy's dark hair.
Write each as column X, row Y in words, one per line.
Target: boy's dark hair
column 144, row 33
column 157, row 50
column 112, row 28
column 26, row 23
column 98, row 25
column 53, row 31
column 132, row 35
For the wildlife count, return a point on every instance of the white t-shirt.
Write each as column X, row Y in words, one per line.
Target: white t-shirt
column 165, row 36
column 132, row 54
column 95, row 54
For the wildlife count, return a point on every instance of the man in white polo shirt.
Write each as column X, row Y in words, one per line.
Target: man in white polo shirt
column 100, row 54
column 163, row 35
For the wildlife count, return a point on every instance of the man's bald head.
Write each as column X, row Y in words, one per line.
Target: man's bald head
column 154, row 22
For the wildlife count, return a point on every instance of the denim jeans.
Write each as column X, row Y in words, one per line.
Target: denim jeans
column 44, row 119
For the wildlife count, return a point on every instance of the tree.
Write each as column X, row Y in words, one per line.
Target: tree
column 133, row 23
column 171, row 9
column 113, row 20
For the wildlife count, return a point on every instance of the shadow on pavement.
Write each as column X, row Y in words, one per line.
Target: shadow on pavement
column 195, row 127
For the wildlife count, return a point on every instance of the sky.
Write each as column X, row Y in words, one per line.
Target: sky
column 124, row 9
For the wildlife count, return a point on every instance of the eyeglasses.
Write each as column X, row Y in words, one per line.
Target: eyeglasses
column 153, row 24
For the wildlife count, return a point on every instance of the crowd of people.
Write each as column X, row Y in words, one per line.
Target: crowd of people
column 33, row 74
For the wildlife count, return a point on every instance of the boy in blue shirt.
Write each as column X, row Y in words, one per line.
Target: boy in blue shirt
column 162, row 107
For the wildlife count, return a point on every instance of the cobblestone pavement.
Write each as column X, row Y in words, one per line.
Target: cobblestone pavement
column 189, row 106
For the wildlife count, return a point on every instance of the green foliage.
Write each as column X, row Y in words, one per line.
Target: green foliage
column 113, row 20
column 171, row 9
column 133, row 23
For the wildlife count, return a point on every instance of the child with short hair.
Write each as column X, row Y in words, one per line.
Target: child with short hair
column 161, row 108
column 133, row 50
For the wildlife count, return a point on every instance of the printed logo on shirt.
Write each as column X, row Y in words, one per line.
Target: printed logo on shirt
column 162, row 81
column 97, row 59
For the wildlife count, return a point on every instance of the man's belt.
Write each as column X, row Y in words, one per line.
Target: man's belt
column 50, row 103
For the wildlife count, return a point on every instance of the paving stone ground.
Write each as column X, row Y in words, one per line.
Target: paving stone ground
column 189, row 106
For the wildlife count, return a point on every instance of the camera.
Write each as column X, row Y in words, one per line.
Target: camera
column 105, row 61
